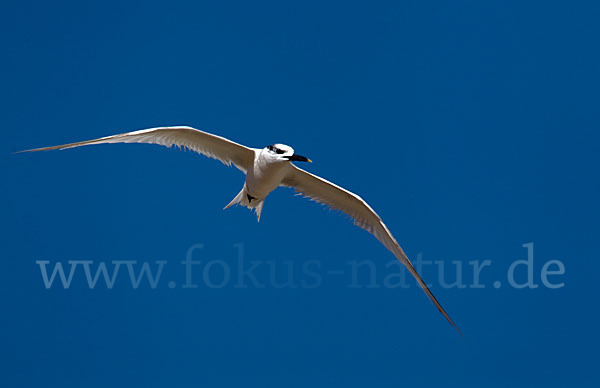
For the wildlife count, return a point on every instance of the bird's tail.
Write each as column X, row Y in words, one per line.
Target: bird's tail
column 248, row 201
column 237, row 199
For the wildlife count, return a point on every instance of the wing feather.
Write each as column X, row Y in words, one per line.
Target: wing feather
column 204, row 143
column 332, row 195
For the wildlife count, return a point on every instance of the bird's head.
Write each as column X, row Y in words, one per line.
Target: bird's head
column 284, row 153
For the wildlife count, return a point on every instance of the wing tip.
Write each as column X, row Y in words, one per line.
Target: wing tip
column 453, row 324
column 40, row 149
column 444, row 313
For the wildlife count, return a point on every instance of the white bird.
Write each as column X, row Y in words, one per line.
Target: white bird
column 266, row 169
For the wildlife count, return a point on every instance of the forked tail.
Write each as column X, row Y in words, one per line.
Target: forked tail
column 245, row 199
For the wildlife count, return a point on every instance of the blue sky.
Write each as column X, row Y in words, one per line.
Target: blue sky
column 471, row 128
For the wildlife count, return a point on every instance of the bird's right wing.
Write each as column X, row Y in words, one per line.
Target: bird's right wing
column 204, row 143
column 327, row 193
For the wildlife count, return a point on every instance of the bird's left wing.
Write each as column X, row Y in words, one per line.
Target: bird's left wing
column 327, row 193
column 204, row 143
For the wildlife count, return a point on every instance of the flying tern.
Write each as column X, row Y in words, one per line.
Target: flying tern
column 266, row 169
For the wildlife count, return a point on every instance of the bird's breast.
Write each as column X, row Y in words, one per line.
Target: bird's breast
column 263, row 178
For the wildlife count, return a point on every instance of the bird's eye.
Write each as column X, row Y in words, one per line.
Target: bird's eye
column 272, row 148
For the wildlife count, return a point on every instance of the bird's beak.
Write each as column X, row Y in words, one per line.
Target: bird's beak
column 299, row 158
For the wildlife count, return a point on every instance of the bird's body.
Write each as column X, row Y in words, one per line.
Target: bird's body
column 265, row 175
column 266, row 169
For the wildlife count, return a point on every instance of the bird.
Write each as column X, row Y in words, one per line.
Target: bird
column 267, row 169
